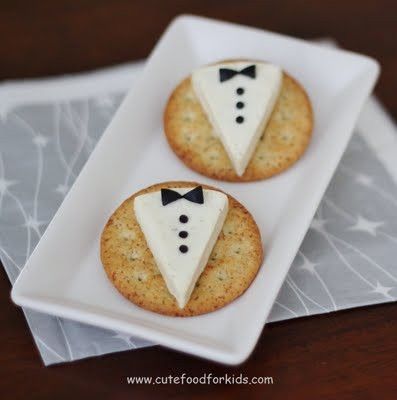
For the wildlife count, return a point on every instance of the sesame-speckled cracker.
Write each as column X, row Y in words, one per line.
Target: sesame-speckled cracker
column 284, row 140
column 130, row 266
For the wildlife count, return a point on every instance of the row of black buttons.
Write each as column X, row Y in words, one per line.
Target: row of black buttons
column 183, row 234
column 240, row 105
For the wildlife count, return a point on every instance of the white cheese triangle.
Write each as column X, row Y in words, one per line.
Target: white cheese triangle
column 161, row 226
column 219, row 101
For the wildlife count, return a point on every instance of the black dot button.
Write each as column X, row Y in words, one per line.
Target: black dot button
column 240, row 119
column 240, row 91
column 183, row 234
column 183, row 218
column 183, row 249
column 240, row 104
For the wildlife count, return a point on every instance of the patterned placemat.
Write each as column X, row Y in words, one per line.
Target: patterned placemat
column 48, row 129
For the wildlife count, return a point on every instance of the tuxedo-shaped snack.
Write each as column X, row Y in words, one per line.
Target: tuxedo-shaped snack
column 239, row 121
column 238, row 99
column 180, row 244
column 181, row 227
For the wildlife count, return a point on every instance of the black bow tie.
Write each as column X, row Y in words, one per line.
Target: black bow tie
column 195, row 196
column 225, row 73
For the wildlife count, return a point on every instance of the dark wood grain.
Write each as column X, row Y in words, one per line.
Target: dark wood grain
column 347, row 355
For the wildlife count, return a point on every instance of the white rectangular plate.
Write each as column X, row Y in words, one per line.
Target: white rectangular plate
column 64, row 275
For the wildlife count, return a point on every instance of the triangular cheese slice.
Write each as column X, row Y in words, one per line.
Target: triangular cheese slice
column 181, row 259
column 240, row 107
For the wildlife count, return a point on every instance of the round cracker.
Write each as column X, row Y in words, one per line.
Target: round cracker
column 284, row 139
column 130, row 266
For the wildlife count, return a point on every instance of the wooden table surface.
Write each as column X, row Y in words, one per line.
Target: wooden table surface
column 348, row 354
